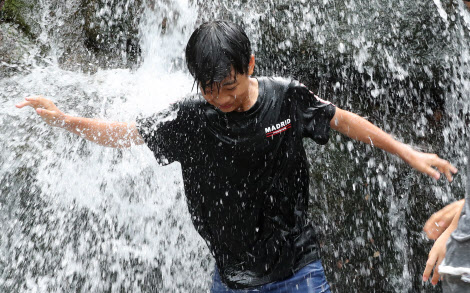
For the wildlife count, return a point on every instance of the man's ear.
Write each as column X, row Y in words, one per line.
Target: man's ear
column 251, row 65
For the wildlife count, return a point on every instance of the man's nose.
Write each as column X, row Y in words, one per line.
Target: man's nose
column 222, row 99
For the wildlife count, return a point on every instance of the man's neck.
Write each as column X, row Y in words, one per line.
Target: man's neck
column 252, row 97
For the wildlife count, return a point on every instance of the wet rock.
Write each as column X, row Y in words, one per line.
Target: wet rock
column 111, row 30
column 21, row 13
column 83, row 35
column 17, row 51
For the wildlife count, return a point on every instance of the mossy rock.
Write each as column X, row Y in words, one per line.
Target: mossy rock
column 17, row 11
column 94, row 32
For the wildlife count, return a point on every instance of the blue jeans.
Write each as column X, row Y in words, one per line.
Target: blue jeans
column 310, row 279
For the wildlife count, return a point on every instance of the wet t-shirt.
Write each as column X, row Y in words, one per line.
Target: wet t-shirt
column 246, row 177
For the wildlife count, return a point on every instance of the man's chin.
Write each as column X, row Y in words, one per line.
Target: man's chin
column 226, row 109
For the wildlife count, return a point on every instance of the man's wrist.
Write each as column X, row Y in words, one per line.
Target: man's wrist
column 450, row 229
column 68, row 122
column 404, row 151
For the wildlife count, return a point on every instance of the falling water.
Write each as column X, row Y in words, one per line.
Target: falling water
column 79, row 217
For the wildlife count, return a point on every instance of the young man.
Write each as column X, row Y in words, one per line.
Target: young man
column 244, row 167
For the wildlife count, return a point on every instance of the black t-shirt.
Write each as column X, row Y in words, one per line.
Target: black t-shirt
column 246, row 177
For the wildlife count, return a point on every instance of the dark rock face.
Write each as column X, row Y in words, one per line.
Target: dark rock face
column 111, row 30
column 18, row 35
column 16, row 49
column 85, row 35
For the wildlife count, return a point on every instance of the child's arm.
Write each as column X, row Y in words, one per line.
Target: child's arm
column 438, row 250
column 359, row 128
column 111, row 134
column 440, row 220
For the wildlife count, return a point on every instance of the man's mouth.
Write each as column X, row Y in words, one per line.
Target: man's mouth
column 225, row 106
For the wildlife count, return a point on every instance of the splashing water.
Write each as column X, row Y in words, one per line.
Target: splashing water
column 79, row 217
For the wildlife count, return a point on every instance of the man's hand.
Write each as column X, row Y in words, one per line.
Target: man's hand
column 440, row 220
column 436, row 255
column 46, row 109
column 425, row 162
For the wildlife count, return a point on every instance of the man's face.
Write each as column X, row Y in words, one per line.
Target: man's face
column 230, row 94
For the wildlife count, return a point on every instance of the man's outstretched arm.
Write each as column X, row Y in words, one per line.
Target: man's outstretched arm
column 110, row 134
column 359, row 128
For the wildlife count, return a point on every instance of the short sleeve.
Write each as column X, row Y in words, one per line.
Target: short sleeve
column 314, row 113
column 163, row 133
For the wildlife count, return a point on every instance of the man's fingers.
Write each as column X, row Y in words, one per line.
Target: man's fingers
column 33, row 98
column 23, row 104
column 429, row 265
column 434, row 233
column 44, row 112
column 28, row 102
column 443, row 166
column 432, row 172
column 453, row 169
column 435, row 275
column 35, row 102
column 448, row 175
column 430, row 226
column 436, row 224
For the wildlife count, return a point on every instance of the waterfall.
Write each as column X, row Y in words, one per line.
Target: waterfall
column 80, row 217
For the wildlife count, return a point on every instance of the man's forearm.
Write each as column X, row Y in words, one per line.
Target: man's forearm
column 360, row 129
column 111, row 134
column 455, row 220
column 455, row 223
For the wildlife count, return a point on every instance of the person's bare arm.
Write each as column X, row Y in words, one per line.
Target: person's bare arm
column 106, row 133
column 110, row 134
column 360, row 129
column 438, row 250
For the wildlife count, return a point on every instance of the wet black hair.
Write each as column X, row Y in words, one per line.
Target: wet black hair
column 215, row 48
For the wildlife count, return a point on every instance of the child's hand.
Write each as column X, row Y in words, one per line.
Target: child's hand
column 425, row 162
column 46, row 109
column 436, row 255
column 440, row 220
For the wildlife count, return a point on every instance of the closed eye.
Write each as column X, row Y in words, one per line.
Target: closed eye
column 208, row 91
